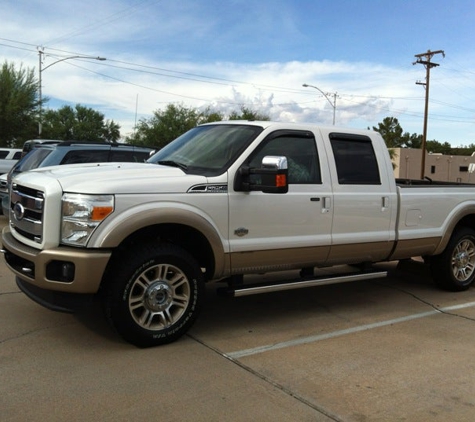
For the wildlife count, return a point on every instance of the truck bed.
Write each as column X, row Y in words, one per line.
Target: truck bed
column 428, row 182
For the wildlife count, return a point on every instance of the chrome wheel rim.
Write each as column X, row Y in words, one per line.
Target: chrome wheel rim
column 159, row 297
column 463, row 260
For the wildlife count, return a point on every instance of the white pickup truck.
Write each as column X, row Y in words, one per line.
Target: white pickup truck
column 223, row 201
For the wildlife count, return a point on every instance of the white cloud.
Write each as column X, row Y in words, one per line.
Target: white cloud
column 258, row 56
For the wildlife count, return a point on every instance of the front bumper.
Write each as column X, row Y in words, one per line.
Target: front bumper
column 62, row 269
column 56, row 301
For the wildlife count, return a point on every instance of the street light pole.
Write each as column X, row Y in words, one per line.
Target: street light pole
column 40, row 96
column 326, row 95
column 41, row 69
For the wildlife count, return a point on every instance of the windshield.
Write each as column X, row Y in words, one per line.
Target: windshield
column 30, row 161
column 207, row 150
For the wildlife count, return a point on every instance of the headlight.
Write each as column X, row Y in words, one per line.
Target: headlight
column 81, row 214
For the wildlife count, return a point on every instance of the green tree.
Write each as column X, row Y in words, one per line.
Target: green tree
column 18, row 105
column 210, row 116
column 395, row 137
column 412, row 141
column 79, row 124
column 438, row 148
column 166, row 125
column 248, row 114
column 463, row 150
column 391, row 131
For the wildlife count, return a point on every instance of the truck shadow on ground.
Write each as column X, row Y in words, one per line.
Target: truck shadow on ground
column 221, row 316
column 316, row 304
column 93, row 318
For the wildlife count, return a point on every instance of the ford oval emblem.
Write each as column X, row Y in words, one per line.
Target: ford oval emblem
column 19, row 211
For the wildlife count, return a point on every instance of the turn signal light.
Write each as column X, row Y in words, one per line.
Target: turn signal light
column 99, row 213
column 280, row 180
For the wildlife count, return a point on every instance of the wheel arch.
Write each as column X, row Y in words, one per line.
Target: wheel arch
column 183, row 228
column 454, row 268
column 464, row 218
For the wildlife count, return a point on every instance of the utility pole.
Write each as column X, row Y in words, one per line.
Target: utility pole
column 425, row 59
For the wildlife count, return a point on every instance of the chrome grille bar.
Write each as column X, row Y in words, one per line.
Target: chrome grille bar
column 26, row 212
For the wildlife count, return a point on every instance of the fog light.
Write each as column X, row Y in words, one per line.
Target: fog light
column 62, row 271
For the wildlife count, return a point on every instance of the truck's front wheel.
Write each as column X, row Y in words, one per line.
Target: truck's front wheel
column 454, row 269
column 153, row 295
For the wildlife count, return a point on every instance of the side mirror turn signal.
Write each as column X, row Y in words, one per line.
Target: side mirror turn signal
column 271, row 177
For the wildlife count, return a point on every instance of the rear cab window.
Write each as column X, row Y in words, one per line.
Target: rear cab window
column 355, row 159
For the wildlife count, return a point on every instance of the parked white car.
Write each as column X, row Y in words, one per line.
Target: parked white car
column 4, row 192
column 10, row 153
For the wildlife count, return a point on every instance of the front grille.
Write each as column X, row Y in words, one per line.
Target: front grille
column 26, row 212
column 3, row 185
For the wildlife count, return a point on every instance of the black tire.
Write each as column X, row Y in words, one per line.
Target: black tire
column 153, row 295
column 454, row 269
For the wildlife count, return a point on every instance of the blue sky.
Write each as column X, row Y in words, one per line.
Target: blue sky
column 218, row 54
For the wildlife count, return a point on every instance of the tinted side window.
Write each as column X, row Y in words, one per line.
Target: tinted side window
column 17, row 155
column 129, row 156
column 85, row 156
column 301, row 153
column 355, row 160
column 3, row 154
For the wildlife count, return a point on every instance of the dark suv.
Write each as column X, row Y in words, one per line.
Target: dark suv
column 71, row 152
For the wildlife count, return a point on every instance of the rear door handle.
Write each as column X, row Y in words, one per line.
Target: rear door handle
column 327, row 203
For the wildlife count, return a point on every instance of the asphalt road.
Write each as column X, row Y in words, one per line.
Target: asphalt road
column 394, row 349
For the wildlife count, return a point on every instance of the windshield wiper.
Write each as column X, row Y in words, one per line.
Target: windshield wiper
column 171, row 163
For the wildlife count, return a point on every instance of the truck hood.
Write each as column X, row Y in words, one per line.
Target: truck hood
column 117, row 178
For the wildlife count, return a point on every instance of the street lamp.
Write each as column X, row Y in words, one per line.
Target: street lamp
column 41, row 69
column 333, row 104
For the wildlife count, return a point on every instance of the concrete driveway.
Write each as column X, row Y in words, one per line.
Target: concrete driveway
column 382, row 350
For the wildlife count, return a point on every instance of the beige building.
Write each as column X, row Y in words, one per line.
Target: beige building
column 450, row 168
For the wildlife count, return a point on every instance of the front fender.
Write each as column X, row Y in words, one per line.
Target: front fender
column 112, row 232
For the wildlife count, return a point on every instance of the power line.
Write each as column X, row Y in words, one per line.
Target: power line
column 102, row 22
column 169, row 73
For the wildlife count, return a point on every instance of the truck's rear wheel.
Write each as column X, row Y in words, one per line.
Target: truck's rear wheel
column 153, row 295
column 454, row 269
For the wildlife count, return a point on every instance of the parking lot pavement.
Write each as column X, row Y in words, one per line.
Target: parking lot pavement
column 381, row 350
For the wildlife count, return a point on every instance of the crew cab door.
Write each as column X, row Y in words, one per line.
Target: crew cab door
column 290, row 230
column 364, row 199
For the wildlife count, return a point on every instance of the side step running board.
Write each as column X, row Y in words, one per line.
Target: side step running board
column 247, row 290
